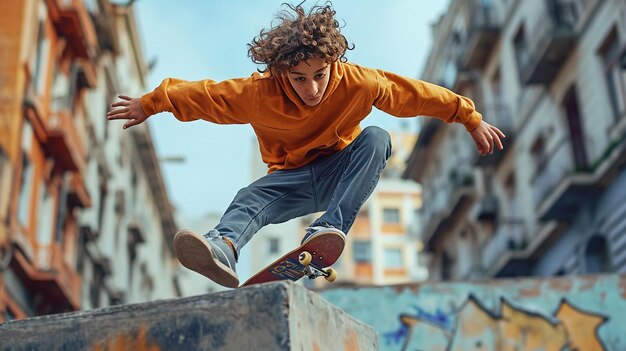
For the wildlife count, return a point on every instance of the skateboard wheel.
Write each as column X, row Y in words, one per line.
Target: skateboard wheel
column 305, row 258
column 332, row 275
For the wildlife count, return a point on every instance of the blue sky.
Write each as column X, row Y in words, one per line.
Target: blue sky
column 196, row 40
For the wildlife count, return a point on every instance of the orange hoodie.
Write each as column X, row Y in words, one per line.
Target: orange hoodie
column 292, row 134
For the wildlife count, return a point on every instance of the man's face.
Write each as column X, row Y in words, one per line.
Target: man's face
column 309, row 79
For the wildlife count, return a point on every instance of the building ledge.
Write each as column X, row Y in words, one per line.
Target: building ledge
column 275, row 316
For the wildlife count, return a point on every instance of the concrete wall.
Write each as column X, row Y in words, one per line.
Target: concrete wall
column 571, row 313
column 277, row 316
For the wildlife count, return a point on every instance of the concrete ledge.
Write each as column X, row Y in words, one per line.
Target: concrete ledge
column 275, row 316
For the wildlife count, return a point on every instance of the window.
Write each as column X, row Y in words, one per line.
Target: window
column 36, row 63
column 362, row 251
column 391, row 215
column 597, row 258
column 521, row 49
column 96, row 285
column 274, row 246
column 575, row 126
column 81, row 252
column 497, row 87
column 394, row 258
column 538, row 153
column 510, row 190
column 45, row 217
column 446, row 266
column 615, row 73
column 102, row 186
column 26, row 179
column 59, row 91
column 39, row 59
column 74, row 87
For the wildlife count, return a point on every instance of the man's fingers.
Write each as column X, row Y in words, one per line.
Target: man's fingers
column 125, row 97
column 112, row 118
column 484, row 145
column 120, row 103
column 132, row 122
column 487, row 142
column 119, row 113
column 496, row 138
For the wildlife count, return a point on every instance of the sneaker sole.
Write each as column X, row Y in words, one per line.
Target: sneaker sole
column 195, row 253
column 327, row 231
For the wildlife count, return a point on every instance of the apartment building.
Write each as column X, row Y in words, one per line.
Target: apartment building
column 85, row 217
column 551, row 74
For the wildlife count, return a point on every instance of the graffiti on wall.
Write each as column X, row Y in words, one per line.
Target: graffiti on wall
column 472, row 326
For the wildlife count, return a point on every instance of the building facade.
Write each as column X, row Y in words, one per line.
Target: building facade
column 551, row 74
column 86, row 221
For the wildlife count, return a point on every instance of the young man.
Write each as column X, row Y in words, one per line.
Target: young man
column 305, row 107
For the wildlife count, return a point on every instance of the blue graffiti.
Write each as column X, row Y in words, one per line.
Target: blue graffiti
column 397, row 336
column 439, row 319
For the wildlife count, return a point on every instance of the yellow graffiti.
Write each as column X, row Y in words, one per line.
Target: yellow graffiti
column 514, row 328
column 582, row 327
column 528, row 331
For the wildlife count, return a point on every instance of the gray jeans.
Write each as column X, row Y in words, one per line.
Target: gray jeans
column 338, row 184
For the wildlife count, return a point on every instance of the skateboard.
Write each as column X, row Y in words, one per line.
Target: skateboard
column 311, row 259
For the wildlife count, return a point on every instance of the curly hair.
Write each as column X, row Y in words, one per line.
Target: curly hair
column 296, row 36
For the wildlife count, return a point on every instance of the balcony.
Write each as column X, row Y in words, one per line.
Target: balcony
column 447, row 206
column 507, row 244
column 558, row 188
column 57, row 283
column 513, row 249
column 488, row 209
column 483, row 33
column 72, row 21
column 500, row 116
column 64, row 143
column 551, row 39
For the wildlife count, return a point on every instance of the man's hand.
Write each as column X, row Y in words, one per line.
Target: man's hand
column 487, row 137
column 130, row 110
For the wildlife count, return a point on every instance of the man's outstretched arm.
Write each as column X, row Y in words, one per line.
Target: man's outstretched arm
column 403, row 97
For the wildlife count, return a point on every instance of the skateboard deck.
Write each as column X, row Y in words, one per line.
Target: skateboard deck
column 309, row 259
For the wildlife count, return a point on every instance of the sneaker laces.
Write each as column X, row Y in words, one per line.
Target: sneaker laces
column 212, row 235
column 311, row 230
